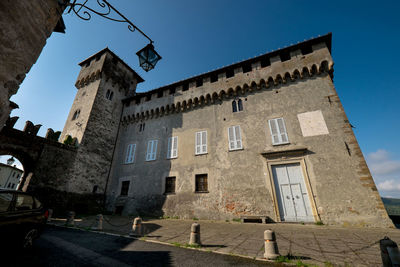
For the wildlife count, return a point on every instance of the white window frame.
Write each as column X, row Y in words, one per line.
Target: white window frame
column 172, row 152
column 130, row 154
column 200, row 148
column 151, row 152
column 278, row 132
column 234, row 141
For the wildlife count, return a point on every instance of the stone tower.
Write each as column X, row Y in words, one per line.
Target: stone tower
column 94, row 119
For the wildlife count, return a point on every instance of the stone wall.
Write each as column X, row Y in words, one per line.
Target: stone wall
column 25, row 26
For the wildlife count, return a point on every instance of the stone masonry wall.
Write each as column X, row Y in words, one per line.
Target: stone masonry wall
column 25, row 26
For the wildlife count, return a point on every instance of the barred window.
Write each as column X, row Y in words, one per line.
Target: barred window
column 170, row 185
column 201, row 183
column 124, row 188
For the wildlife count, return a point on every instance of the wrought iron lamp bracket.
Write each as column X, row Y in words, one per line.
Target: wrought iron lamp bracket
column 84, row 12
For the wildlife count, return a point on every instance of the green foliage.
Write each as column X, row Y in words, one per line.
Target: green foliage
column 236, row 220
column 319, row 223
column 195, row 219
column 283, row 259
column 69, row 141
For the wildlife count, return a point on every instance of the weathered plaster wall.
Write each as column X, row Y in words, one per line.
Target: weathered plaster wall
column 24, row 28
column 240, row 182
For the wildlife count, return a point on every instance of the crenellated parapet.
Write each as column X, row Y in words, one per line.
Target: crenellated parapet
column 107, row 64
column 273, row 70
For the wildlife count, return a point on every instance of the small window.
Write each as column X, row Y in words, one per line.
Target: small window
column 278, row 131
column 94, row 191
column 235, row 138
column 172, row 147
column 124, row 188
column 160, row 94
column 108, row 94
column 230, row 73
column 5, row 201
column 111, row 96
column 24, row 202
column 265, row 62
column 151, row 150
column 170, row 185
column 237, row 105
column 130, row 153
column 213, row 78
column 172, row 91
column 246, row 67
column 137, row 101
column 148, row 97
column 201, row 183
column 201, row 143
column 76, row 114
column 185, row 87
column 199, row 82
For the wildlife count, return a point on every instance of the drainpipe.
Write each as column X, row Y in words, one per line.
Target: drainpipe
column 112, row 156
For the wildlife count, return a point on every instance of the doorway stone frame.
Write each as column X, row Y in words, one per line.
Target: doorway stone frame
column 290, row 156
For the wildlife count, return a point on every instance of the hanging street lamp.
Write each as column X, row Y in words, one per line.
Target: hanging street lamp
column 148, row 57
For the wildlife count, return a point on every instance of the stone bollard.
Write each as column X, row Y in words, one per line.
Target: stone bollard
column 50, row 215
column 137, row 229
column 270, row 245
column 99, row 220
column 195, row 235
column 389, row 252
column 70, row 218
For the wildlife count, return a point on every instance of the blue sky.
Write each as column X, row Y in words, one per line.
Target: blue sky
column 198, row 36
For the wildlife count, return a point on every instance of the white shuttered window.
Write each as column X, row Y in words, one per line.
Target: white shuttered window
column 201, row 143
column 235, row 138
column 278, row 131
column 172, row 147
column 130, row 153
column 151, row 150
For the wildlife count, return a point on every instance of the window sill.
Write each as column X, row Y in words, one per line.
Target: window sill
column 172, row 158
column 201, row 192
column 280, row 144
column 231, row 150
column 201, row 154
column 171, row 193
column 150, row 160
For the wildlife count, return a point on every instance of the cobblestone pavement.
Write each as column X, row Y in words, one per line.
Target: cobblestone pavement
column 313, row 244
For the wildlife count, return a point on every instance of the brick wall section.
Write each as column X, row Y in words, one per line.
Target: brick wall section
column 25, row 26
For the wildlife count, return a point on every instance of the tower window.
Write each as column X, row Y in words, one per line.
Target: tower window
column 199, row 82
column 237, row 105
column 76, row 114
column 160, row 94
column 109, row 94
column 185, row 87
column 230, row 73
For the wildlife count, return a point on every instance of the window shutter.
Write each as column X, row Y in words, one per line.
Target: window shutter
column 128, row 151
column 198, row 142
column 133, row 149
column 175, row 147
column 204, row 142
column 274, row 131
column 169, row 155
column 238, row 137
column 154, row 150
column 149, row 148
column 282, row 130
column 231, row 138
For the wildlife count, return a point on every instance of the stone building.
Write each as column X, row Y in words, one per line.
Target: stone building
column 267, row 136
column 10, row 176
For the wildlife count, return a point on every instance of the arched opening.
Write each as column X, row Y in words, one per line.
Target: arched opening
column 11, row 172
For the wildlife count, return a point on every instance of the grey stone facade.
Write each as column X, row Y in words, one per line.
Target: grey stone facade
column 294, row 85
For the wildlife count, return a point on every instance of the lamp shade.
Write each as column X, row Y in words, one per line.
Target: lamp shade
column 148, row 57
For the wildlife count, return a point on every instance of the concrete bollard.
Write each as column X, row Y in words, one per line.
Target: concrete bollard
column 195, row 235
column 50, row 215
column 137, row 228
column 70, row 218
column 270, row 245
column 389, row 252
column 99, row 221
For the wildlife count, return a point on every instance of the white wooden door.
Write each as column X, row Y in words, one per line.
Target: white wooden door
column 291, row 192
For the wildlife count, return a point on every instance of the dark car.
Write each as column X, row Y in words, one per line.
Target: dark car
column 22, row 218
